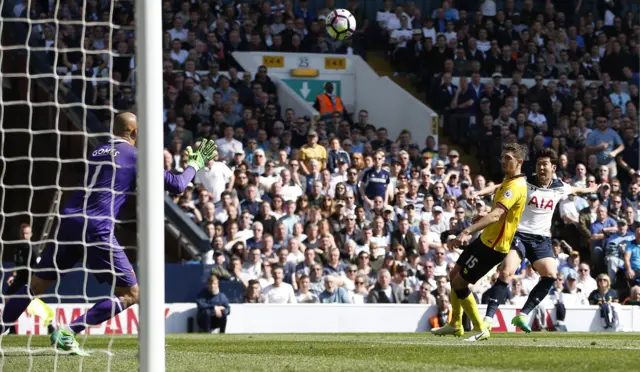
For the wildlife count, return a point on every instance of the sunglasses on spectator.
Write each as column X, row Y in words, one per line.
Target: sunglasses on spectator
column 353, row 271
column 584, row 270
column 364, row 257
column 359, row 283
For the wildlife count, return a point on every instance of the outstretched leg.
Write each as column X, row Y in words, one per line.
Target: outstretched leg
column 548, row 269
column 106, row 309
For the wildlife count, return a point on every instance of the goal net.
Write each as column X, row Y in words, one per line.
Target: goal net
column 67, row 68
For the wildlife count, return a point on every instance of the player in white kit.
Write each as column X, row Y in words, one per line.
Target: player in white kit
column 533, row 238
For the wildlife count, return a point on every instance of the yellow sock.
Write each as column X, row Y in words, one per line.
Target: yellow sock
column 456, row 311
column 38, row 308
column 471, row 309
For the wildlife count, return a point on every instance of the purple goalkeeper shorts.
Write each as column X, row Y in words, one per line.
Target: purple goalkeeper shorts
column 104, row 256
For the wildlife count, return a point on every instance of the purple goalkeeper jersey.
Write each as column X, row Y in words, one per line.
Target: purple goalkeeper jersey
column 110, row 179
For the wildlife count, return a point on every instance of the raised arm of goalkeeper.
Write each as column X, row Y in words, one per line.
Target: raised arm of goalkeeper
column 177, row 183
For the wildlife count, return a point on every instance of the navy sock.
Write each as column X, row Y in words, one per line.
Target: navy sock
column 497, row 296
column 462, row 293
column 538, row 293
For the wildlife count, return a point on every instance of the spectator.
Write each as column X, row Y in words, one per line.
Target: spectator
column 279, row 292
column 333, row 293
column 634, row 298
column 603, row 293
column 632, row 258
column 572, row 295
column 444, row 313
column 305, row 296
column 252, row 293
column 601, row 228
column 585, row 281
column 215, row 177
column 423, row 295
column 213, row 307
column 328, row 103
column 384, row 291
column 615, row 248
column 606, row 144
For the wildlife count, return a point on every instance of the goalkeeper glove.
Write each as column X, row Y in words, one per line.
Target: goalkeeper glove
column 205, row 152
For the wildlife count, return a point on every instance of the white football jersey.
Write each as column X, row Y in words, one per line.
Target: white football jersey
column 541, row 202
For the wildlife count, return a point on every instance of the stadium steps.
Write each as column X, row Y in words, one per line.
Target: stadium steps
column 382, row 67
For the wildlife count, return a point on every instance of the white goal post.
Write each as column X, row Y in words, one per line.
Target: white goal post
column 150, row 185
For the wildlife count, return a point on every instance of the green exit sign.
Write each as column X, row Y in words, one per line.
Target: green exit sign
column 309, row 89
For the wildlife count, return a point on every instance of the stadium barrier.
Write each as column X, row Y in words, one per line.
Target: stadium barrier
column 356, row 83
column 322, row 318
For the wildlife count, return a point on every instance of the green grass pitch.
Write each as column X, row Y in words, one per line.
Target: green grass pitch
column 343, row 352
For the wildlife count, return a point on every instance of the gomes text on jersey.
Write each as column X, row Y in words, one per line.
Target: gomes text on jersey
column 541, row 203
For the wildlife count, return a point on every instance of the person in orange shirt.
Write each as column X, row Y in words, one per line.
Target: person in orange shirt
column 328, row 103
column 444, row 313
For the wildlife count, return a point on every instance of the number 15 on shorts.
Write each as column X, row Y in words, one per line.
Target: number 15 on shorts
column 471, row 262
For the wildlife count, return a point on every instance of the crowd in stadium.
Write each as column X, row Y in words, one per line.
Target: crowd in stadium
column 335, row 211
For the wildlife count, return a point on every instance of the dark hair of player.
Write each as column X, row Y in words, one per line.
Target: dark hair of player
column 549, row 154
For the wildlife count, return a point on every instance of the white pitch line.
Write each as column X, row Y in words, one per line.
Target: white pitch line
column 492, row 343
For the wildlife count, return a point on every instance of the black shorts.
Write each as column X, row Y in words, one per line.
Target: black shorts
column 477, row 260
column 532, row 247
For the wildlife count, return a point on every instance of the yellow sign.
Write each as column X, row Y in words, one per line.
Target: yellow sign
column 335, row 63
column 273, row 61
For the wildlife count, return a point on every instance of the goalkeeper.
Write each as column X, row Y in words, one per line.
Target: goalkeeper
column 86, row 231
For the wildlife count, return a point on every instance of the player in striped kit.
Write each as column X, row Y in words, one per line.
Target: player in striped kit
column 533, row 238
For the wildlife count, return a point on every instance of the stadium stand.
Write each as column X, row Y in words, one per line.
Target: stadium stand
column 285, row 192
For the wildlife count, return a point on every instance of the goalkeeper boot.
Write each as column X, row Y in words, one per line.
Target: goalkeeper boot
column 521, row 321
column 479, row 335
column 65, row 340
column 448, row 329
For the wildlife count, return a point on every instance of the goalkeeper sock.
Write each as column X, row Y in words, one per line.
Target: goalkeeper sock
column 100, row 312
column 15, row 307
column 537, row 294
column 497, row 296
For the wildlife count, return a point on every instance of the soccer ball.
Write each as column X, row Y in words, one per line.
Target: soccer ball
column 340, row 24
